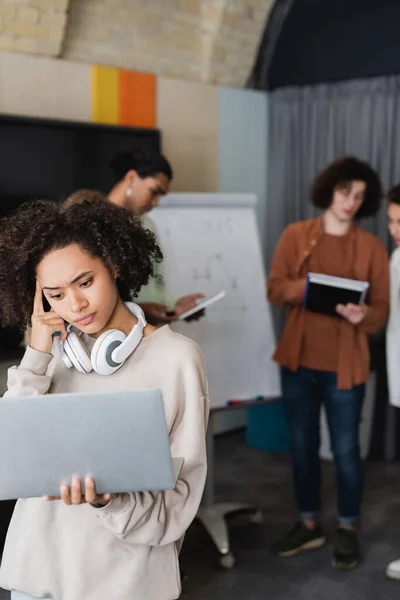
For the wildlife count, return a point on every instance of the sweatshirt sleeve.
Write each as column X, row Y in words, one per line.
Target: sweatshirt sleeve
column 29, row 378
column 378, row 301
column 283, row 290
column 161, row 518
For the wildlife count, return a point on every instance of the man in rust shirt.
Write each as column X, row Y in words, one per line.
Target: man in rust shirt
column 324, row 358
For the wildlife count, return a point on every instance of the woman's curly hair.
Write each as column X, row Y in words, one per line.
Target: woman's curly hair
column 87, row 219
column 342, row 172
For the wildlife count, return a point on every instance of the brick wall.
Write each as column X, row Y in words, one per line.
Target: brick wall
column 212, row 41
column 33, row 26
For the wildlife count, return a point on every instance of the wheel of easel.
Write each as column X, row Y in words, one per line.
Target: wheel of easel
column 227, row 561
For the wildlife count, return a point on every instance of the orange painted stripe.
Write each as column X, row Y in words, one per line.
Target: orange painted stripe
column 137, row 99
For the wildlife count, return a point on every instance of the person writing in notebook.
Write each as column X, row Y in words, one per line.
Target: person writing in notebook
column 142, row 179
column 326, row 358
column 77, row 259
column 393, row 328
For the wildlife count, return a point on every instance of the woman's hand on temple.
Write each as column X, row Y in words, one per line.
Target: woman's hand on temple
column 44, row 324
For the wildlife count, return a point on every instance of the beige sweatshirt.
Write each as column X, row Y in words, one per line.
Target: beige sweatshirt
column 129, row 549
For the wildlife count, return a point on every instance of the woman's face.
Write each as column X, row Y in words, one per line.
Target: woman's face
column 347, row 200
column 145, row 192
column 78, row 287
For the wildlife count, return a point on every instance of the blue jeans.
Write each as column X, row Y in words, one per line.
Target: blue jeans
column 303, row 393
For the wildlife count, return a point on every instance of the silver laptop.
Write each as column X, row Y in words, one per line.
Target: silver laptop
column 119, row 438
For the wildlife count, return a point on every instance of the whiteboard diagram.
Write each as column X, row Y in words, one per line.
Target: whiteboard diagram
column 210, row 243
column 215, row 269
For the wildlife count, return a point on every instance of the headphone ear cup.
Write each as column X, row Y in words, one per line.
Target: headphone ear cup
column 102, row 350
column 74, row 354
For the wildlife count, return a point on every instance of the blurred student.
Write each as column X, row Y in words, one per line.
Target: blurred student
column 326, row 358
column 142, row 178
column 393, row 328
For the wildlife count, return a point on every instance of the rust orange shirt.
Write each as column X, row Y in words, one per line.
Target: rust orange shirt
column 304, row 247
column 321, row 334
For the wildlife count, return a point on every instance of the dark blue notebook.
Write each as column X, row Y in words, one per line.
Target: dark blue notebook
column 325, row 292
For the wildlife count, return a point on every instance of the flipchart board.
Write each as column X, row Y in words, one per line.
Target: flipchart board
column 210, row 242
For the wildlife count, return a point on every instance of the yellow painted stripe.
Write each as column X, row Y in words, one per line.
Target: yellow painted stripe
column 105, row 95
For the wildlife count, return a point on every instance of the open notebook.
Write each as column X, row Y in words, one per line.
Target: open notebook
column 325, row 292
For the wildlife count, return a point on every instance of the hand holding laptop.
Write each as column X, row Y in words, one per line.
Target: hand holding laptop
column 73, row 494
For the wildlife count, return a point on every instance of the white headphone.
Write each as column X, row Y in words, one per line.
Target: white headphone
column 110, row 350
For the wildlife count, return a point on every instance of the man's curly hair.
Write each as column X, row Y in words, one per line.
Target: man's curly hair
column 87, row 219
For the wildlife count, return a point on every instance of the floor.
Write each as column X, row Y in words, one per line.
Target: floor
column 250, row 476
column 246, row 475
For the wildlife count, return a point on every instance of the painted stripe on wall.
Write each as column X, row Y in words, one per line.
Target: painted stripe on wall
column 137, row 99
column 105, row 95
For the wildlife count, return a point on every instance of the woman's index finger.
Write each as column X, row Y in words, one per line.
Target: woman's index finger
column 38, row 308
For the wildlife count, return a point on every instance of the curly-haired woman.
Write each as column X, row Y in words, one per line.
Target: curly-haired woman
column 71, row 264
column 325, row 359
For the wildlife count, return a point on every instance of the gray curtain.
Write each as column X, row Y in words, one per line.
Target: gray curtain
column 313, row 125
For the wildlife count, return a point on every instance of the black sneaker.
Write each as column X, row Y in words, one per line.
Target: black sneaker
column 346, row 553
column 299, row 538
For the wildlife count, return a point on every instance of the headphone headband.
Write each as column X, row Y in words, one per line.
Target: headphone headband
column 121, row 352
